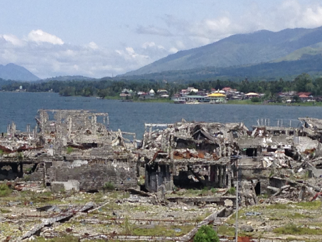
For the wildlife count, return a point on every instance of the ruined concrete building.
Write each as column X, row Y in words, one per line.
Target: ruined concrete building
column 69, row 145
column 189, row 154
column 74, row 149
column 196, row 155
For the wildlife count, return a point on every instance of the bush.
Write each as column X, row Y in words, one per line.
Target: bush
column 108, row 186
column 69, row 150
column 232, row 191
column 4, row 190
column 206, row 234
column 255, row 100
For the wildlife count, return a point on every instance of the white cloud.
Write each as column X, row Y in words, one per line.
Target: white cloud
column 40, row 36
column 93, row 45
column 47, row 55
column 173, row 50
column 13, row 40
column 286, row 14
column 147, row 45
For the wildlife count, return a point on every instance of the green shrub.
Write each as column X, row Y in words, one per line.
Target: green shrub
column 214, row 190
column 69, row 150
column 255, row 100
column 206, row 234
column 232, row 191
column 19, row 156
column 109, row 186
column 4, row 190
column 127, row 226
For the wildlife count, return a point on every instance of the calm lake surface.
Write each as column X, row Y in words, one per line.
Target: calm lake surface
column 130, row 116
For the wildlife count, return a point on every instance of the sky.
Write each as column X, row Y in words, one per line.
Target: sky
column 99, row 38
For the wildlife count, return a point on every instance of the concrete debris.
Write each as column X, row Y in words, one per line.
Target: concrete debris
column 73, row 150
column 61, row 217
column 68, row 144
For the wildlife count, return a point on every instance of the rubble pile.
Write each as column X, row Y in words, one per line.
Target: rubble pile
column 66, row 145
column 73, row 150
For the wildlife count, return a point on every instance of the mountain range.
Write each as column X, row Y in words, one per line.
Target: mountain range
column 17, row 73
column 262, row 54
column 243, row 51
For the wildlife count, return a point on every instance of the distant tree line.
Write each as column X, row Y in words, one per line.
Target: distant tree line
column 112, row 88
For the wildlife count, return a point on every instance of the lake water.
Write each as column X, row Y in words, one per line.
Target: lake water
column 131, row 116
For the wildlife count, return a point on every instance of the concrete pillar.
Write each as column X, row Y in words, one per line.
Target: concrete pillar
column 156, row 181
column 220, row 176
column 21, row 170
column 229, row 175
column 150, row 133
column 146, row 177
column 216, row 173
column 70, row 127
column 8, row 129
column 94, row 124
column 224, row 183
column 44, row 174
column 171, row 184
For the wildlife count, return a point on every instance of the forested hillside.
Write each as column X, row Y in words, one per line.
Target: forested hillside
column 110, row 89
column 242, row 49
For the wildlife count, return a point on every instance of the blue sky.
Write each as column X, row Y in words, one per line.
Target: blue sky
column 100, row 38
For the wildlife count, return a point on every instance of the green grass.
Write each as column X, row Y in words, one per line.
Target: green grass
column 226, row 230
column 297, row 216
column 278, row 206
column 159, row 230
column 293, row 229
column 66, row 238
column 243, row 102
column 309, row 205
column 3, row 210
column 249, row 102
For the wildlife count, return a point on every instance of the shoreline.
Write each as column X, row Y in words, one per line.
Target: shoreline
column 159, row 100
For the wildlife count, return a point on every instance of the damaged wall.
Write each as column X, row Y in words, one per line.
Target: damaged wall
column 94, row 176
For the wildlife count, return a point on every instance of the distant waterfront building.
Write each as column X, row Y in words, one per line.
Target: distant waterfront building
column 251, row 95
column 152, row 93
column 126, row 93
column 196, row 98
column 162, row 92
column 217, row 97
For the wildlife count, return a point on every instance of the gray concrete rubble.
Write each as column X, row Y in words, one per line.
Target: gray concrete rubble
column 70, row 145
column 67, row 145
column 185, row 166
column 196, row 155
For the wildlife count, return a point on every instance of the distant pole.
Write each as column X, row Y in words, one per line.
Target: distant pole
column 237, row 185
